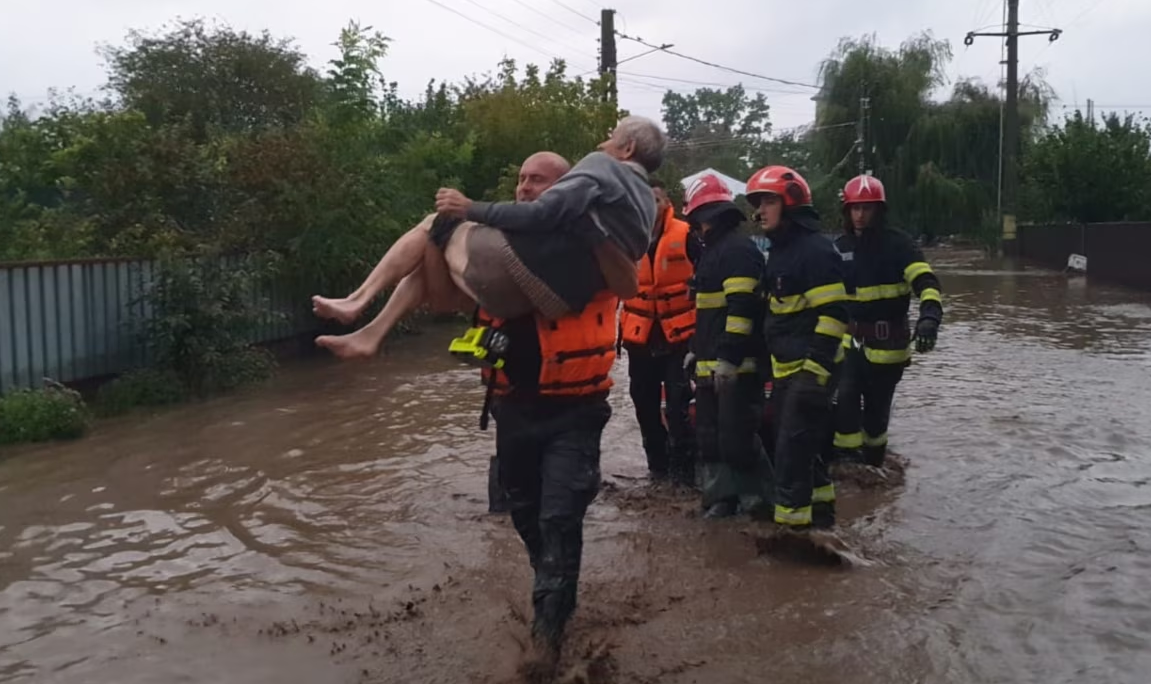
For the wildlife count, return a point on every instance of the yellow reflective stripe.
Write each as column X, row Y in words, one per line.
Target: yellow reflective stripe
column 705, row 369
column 875, row 293
column 740, row 285
column 881, row 440
column 846, row 344
column 738, row 325
column 793, row 516
column 788, row 305
column 914, row 270
column 782, row 369
column 930, row 294
column 710, row 300
column 830, row 326
column 826, row 294
column 840, row 354
column 848, row 440
column 785, row 368
column 820, row 372
column 824, row 494
column 887, row 356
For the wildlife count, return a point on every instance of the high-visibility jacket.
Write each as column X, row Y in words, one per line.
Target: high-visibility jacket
column 807, row 301
column 664, row 294
column 884, row 268
column 575, row 352
column 729, row 296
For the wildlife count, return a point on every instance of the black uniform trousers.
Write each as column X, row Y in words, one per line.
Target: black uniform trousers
column 804, row 494
column 670, row 449
column 863, row 403
column 727, row 424
column 548, row 453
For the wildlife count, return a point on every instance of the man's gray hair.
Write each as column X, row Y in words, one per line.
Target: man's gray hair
column 650, row 141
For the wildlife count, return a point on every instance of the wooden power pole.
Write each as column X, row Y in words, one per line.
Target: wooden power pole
column 607, row 54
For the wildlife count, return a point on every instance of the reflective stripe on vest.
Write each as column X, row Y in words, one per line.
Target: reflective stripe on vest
column 663, row 290
column 577, row 351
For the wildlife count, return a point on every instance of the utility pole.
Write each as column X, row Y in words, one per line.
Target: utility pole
column 861, row 131
column 607, row 56
column 1091, row 111
column 1009, row 180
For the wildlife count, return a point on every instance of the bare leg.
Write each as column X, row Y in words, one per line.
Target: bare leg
column 430, row 284
column 401, row 259
column 366, row 341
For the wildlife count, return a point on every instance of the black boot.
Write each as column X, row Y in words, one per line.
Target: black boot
column 875, row 455
column 723, row 509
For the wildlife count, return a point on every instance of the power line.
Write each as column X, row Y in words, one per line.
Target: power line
column 548, row 17
column 576, row 12
column 496, row 31
column 712, row 83
column 713, row 64
column 519, row 25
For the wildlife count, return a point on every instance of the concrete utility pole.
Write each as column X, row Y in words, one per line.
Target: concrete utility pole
column 607, row 55
column 1010, row 150
column 861, row 131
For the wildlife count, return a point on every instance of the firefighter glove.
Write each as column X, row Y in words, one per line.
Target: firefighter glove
column 725, row 375
column 926, row 332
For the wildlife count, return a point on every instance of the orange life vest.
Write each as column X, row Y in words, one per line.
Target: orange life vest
column 576, row 351
column 663, row 289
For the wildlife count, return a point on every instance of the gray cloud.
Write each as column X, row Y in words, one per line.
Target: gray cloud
column 45, row 45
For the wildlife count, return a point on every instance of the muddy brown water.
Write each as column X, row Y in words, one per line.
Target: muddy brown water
column 332, row 527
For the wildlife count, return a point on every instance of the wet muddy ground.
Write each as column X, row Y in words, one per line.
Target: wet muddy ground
column 332, row 527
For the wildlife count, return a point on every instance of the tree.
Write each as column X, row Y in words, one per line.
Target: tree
column 1086, row 172
column 722, row 129
column 213, row 76
column 513, row 117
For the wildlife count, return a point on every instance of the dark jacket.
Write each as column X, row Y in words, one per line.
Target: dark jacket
column 807, row 299
column 883, row 268
column 728, row 288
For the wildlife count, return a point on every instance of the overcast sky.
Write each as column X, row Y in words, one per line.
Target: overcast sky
column 1103, row 53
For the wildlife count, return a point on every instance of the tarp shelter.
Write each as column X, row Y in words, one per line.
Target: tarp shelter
column 737, row 187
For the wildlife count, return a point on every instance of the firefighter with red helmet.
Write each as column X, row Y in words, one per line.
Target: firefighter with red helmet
column 806, row 321
column 884, row 268
column 728, row 287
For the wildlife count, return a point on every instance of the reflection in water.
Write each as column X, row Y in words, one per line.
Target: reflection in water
column 1017, row 553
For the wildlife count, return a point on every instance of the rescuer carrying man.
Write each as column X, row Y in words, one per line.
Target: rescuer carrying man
column 806, row 322
column 884, row 267
column 655, row 328
column 724, row 352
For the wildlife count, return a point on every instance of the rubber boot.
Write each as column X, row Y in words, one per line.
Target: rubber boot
column 875, row 455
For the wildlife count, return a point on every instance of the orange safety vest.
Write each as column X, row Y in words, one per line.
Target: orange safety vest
column 577, row 351
column 663, row 289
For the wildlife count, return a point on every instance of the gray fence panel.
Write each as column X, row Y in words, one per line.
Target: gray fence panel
column 71, row 321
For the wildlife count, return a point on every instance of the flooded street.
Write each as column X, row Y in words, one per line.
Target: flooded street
column 331, row 527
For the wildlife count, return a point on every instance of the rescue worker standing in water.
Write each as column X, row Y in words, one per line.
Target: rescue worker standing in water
column 725, row 350
column 656, row 327
column 806, row 322
column 549, row 400
column 884, row 268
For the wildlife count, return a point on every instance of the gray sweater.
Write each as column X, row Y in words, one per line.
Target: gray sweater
column 602, row 196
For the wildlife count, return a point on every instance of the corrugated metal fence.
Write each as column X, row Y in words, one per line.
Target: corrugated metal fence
column 74, row 320
column 1116, row 252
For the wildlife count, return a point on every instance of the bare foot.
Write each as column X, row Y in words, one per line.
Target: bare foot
column 344, row 310
column 355, row 345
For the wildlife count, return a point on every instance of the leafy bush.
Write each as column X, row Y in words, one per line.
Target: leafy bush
column 204, row 318
column 41, row 415
column 145, row 387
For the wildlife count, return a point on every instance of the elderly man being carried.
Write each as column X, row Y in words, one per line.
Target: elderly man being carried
column 551, row 255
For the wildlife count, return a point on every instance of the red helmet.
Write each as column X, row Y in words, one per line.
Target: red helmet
column 781, row 181
column 863, row 189
column 707, row 189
